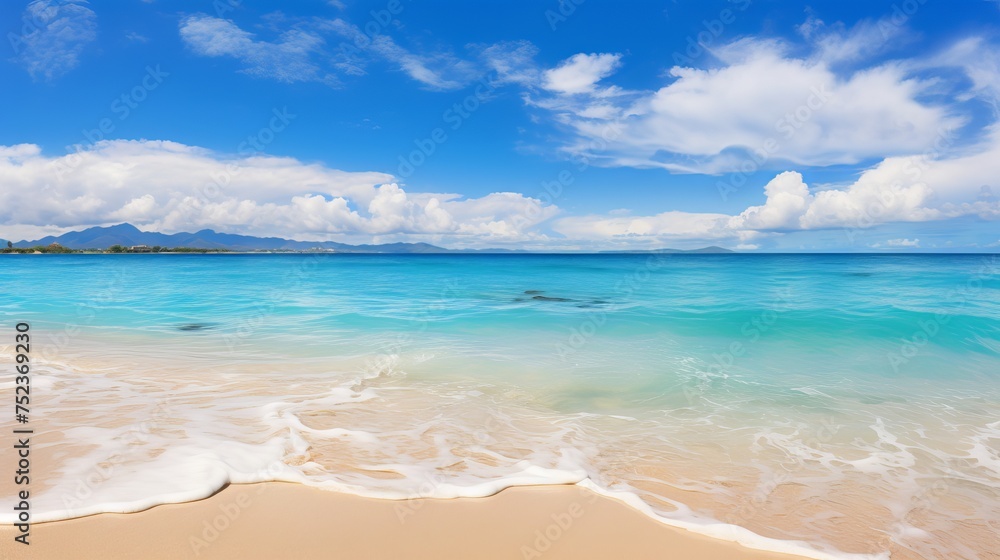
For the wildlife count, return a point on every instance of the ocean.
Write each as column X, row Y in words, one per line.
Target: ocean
column 837, row 406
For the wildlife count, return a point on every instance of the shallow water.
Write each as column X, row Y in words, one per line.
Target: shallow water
column 851, row 402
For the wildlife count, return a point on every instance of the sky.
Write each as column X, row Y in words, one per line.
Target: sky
column 755, row 125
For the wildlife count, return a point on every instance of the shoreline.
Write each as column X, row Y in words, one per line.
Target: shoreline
column 288, row 520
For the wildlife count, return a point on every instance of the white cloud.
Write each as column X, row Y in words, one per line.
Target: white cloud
column 836, row 44
column 787, row 199
column 939, row 184
column 436, row 70
column 290, row 59
column 303, row 53
column 810, row 26
column 440, row 71
column 901, row 189
column 896, row 244
column 172, row 187
column 764, row 102
column 138, row 209
column 885, row 193
column 580, row 73
column 513, row 62
column 56, row 33
column 663, row 227
column 980, row 60
column 761, row 104
column 891, row 192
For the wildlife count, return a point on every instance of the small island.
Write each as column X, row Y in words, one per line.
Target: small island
column 56, row 248
column 126, row 238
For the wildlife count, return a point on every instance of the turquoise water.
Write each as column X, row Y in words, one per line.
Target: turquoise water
column 713, row 391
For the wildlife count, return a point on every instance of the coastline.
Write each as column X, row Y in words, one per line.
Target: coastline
column 286, row 520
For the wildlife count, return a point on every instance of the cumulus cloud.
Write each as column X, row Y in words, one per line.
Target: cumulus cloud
column 54, row 35
column 767, row 102
column 889, row 192
column 787, row 200
column 762, row 104
column 771, row 102
column 173, row 187
column 886, row 193
column 896, row 190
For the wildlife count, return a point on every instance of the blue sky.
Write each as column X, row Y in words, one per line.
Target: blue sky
column 750, row 124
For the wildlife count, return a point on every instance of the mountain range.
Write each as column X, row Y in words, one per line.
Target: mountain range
column 128, row 235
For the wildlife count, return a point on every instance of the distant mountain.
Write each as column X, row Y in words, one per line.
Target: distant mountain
column 128, row 235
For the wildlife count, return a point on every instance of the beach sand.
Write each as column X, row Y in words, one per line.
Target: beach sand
column 281, row 520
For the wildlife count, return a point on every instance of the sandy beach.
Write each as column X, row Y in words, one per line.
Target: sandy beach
column 279, row 520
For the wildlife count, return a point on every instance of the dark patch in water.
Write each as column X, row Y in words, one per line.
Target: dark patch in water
column 536, row 295
column 861, row 273
column 193, row 327
column 547, row 298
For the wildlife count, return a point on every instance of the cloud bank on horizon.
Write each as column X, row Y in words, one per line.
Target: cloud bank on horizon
column 903, row 144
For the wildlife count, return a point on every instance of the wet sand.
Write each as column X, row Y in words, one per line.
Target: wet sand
column 280, row 520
